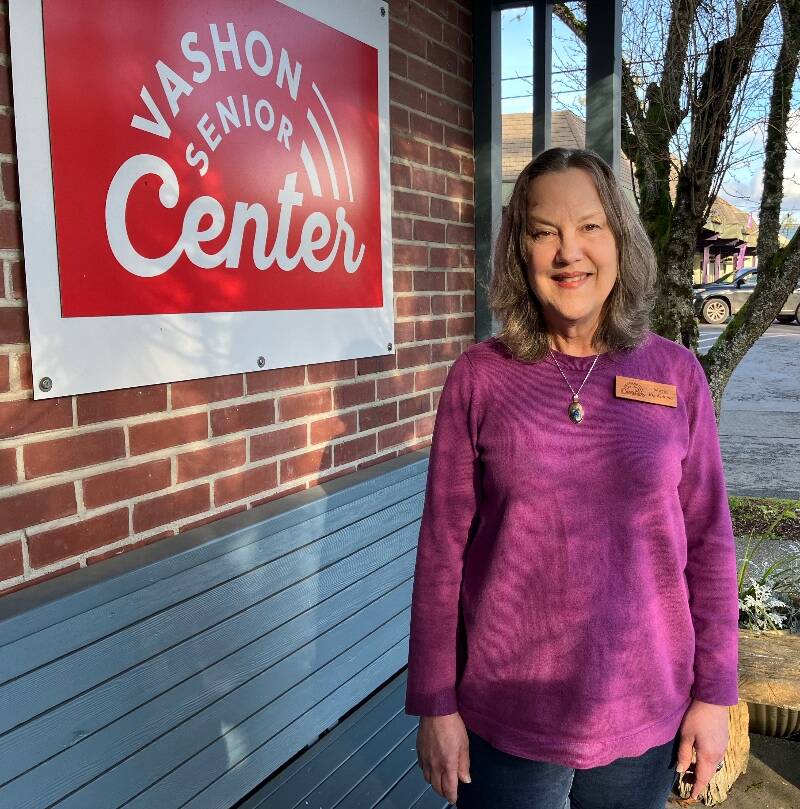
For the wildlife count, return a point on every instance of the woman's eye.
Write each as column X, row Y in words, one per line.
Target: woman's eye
column 592, row 226
column 536, row 235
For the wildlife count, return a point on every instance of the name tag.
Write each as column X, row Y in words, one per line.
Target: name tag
column 643, row 390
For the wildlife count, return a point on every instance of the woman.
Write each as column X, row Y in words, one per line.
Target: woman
column 574, row 611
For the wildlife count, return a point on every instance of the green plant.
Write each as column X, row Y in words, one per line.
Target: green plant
column 772, row 600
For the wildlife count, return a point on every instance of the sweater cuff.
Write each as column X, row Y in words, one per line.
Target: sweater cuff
column 716, row 693
column 439, row 704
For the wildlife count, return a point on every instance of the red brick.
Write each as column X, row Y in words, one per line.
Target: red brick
column 458, row 90
column 457, row 138
column 423, row 127
column 425, row 74
column 460, row 280
column 445, row 352
column 398, row 62
column 120, row 404
column 331, row 371
column 28, row 416
column 155, row 435
column 467, row 212
column 124, row 484
column 430, row 378
column 398, row 10
column 5, row 76
column 442, row 109
column 77, row 538
column 10, row 229
column 423, row 427
column 277, row 442
column 209, row 460
column 425, row 231
column 297, row 405
column 410, row 255
column 402, row 227
column 445, row 209
column 169, row 508
column 407, row 94
column 33, row 508
column 18, row 290
column 358, row 448
column 7, row 134
column 397, row 434
column 10, row 182
column 409, row 149
column 460, row 234
column 8, row 466
column 431, row 181
column 377, row 459
column 24, row 371
column 441, row 56
column 406, row 40
column 395, row 385
column 412, row 305
column 457, row 187
column 247, row 484
column 305, row 464
column 375, row 365
column 355, row 394
column 11, row 560
column 73, row 452
column 275, row 379
column 403, row 332
column 467, row 166
column 425, row 281
column 444, row 158
column 414, row 406
column 333, row 427
column 403, row 280
column 445, row 257
column 409, row 202
column 400, row 175
column 202, row 391
column 424, row 21
column 5, row 373
column 460, row 326
column 430, row 330
column 398, row 118
column 413, row 356
column 446, row 304
column 236, row 418
column 13, row 324
column 468, row 302
column 377, row 416
column 444, row 8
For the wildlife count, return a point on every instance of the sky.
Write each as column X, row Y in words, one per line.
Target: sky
column 741, row 187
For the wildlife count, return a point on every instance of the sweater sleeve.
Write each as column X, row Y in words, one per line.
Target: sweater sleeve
column 711, row 571
column 449, row 509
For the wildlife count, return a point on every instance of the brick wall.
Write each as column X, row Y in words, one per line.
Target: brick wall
column 86, row 477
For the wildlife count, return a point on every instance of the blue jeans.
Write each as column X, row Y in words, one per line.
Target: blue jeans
column 504, row 781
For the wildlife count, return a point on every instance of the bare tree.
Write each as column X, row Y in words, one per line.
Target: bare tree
column 686, row 121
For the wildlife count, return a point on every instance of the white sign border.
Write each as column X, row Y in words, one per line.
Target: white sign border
column 89, row 354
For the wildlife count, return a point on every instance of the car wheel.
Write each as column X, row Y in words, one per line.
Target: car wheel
column 716, row 310
column 797, row 315
column 784, row 318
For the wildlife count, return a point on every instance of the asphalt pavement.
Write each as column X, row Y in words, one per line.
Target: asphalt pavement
column 760, row 421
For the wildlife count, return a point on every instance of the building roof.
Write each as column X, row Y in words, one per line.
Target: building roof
column 569, row 130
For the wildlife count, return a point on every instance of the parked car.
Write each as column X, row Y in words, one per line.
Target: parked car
column 717, row 301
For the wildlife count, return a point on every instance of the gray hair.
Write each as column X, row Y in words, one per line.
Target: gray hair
column 625, row 317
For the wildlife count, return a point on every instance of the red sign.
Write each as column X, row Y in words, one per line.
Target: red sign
column 211, row 157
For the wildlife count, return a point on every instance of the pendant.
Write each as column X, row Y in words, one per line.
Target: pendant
column 575, row 410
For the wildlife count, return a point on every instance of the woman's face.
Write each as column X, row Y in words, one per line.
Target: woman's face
column 568, row 235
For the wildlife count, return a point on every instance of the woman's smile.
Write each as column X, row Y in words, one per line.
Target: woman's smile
column 571, row 281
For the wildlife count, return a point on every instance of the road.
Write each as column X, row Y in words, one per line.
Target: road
column 760, row 423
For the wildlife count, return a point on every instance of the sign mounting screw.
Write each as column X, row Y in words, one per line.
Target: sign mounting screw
column 383, row 11
column 389, row 347
column 45, row 384
column 261, row 362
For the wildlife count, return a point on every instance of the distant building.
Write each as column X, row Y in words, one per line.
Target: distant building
column 728, row 239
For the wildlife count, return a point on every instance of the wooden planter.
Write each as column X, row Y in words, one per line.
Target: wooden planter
column 769, row 680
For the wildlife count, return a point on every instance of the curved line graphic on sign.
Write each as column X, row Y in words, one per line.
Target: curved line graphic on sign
column 325, row 151
column 338, row 139
column 311, row 170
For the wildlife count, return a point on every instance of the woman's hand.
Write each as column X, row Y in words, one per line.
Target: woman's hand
column 443, row 753
column 704, row 726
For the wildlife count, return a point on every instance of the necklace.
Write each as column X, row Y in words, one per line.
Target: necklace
column 575, row 410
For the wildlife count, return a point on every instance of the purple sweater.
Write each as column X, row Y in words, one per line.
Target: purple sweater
column 575, row 584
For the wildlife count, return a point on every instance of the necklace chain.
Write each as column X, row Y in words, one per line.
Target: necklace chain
column 575, row 411
column 574, row 392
